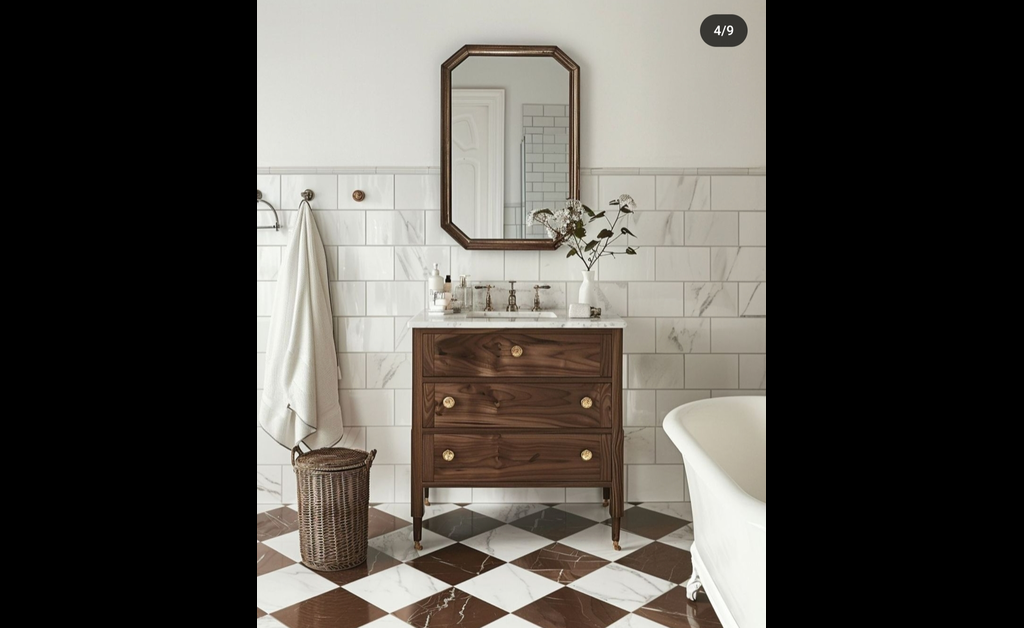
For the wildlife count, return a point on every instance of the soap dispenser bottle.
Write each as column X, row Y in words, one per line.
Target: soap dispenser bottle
column 435, row 286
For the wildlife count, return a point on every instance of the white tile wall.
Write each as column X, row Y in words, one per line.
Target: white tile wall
column 695, row 296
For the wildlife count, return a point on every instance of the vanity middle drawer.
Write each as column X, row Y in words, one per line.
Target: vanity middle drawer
column 517, row 405
column 518, row 353
column 499, row 458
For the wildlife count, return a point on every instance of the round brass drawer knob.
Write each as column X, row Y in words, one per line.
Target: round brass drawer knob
column 449, row 402
column 587, row 455
column 448, row 455
column 517, row 351
column 587, row 403
column 359, row 196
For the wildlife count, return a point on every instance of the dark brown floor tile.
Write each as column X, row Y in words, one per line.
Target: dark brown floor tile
column 450, row 608
column 376, row 562
column 554, row 524
column 275, row 523
column 663, row 561
column 259, row 613
column 381, row 523
column 268, row 560
column 456, row 563
column 461, row 524
column 675, row 611
column 567, row 608
column 560, row 563
column 336, row 609
column 650, row 524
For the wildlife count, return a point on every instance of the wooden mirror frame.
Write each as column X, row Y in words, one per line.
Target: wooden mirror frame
column 446, row 140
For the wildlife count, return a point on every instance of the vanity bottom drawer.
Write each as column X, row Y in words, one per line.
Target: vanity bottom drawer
column 528, row 458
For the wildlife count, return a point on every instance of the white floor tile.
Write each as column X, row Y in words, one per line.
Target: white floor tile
column 506, row 512
column 634, row 621
column 287, row 544
column 623, row 587
column 289, row 586
column 597, row 541
column 680, row 510
column 402, row 510
column 507, row 543
column 396, row 588
column 594, row 512
column 399, row 544
column 268, row 621
column 509, row 588
column 682, row 538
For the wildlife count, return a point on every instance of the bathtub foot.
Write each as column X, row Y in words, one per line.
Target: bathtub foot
column 693, row 586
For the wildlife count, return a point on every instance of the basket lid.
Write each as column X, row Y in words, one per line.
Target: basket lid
column 332, row 459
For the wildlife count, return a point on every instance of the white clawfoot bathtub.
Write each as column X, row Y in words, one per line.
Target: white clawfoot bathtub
column 724, row 443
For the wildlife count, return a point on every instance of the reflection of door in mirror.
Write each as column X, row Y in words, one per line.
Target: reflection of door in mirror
column 532, row 166
column 478, row 158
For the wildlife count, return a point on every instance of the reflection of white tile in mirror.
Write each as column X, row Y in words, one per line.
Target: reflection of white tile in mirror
column 493, row 193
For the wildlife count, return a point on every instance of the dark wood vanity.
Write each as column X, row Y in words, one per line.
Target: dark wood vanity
column 517, row 408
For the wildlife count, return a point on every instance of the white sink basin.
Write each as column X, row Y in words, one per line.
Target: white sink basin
column 524, row 314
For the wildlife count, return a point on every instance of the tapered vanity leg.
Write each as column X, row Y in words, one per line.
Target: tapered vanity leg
column 607, row 496
column 417, row 516
column 426, row 497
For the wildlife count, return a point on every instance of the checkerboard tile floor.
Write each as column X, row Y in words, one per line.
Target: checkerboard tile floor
column 495, row 565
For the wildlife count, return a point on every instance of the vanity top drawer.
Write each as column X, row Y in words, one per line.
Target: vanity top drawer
column 518, row 353
column 476, row 460
column 517, row 406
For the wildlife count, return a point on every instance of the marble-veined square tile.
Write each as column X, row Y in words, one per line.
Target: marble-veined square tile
column 509, row 587
column 621, row 586
column 506, row 512
column 287, row 545
column 289, row 586
column 674, row 610
column 636, row 621
column 450, row 608
column 560, row 563
column 595, row 512
column 337, row 609
column 507, row 542
column 571, row 608
column 399, row 544
column 456, row 563
column 396, row 588
column 597, row 541
column 681, row 538
column 402, row 510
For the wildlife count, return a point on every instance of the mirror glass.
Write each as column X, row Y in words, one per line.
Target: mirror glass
column 510, row 126
column 510, row 144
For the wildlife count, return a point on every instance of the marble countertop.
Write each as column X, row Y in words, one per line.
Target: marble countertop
column 526, row 320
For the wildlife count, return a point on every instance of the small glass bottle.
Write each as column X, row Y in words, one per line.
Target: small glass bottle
column 465, row 294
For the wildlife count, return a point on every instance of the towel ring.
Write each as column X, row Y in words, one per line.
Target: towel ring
column 277, row 223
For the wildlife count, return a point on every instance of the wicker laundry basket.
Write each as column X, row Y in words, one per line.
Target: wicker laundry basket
column 334, row 501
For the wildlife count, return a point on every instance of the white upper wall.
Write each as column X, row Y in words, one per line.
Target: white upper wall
column 357, row 82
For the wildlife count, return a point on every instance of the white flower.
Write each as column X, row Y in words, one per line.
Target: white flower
column 627, row 201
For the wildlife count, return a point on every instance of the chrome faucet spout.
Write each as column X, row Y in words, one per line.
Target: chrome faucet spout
column 512, row 305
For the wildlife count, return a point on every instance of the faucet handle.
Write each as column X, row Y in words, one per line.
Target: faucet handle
column 487, row 307
column 512, row 286
column 536, row 296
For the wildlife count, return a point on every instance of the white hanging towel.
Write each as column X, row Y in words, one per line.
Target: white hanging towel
column 300, row 389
